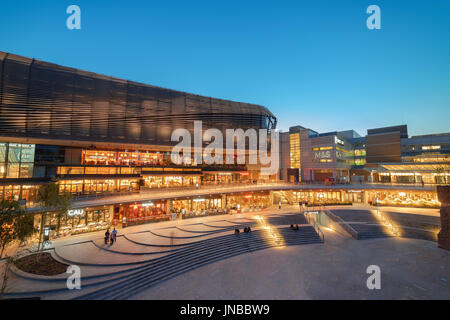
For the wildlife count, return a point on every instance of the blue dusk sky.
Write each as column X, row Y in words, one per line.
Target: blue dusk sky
column 312, row 63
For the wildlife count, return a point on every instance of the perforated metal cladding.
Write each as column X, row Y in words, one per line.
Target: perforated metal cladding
column 43, row 99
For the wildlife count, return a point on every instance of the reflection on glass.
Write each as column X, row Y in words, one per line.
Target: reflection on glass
column 2, row 152
column 13, row 170
column 14, row 153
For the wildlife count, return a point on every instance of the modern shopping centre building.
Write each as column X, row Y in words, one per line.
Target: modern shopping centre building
column 108, row 138
column 386, row 155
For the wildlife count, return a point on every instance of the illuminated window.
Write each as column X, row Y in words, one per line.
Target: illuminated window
column 295, row 150
column 14, row 153
column 2, row 152
column 431, row 147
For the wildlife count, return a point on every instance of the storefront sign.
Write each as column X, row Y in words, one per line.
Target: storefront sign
column 148, row 204
column 338, row 141
column 75, row 212
column 322, row 154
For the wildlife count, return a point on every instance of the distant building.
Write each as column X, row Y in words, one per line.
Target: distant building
column 383, row 155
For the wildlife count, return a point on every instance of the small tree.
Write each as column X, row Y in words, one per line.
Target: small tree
column 15, row 224
column 5, row 275
column 52, row 201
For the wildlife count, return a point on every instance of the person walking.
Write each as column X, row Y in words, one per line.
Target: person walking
column 106, row 236
column 114, row 232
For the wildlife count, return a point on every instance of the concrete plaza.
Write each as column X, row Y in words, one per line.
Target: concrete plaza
column 258, row 268
column 410, row 269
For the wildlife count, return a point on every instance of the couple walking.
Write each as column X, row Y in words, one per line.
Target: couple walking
column 110, row 237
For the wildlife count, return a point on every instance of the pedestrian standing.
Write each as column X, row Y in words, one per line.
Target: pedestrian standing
column 114, row 232
column 111, row 239
column 106, row 236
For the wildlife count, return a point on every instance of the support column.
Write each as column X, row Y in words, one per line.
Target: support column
column 444, row 234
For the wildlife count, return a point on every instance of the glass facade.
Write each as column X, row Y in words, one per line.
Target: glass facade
column 97, row 157
column 86, row 186
column 86, row 220
column 294, row 152
column 171, row 181
column 16, row 160
column 132, row 214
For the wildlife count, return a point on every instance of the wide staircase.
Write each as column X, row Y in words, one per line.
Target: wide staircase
column 112, row 274
column 370, row 231
column 197, row 255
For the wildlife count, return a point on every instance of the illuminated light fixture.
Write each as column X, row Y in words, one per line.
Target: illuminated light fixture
column 270, row 232
column 390, row 227
column 199, row 200
column 148, row 204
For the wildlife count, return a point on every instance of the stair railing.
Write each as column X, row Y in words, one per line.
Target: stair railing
column 312, row 221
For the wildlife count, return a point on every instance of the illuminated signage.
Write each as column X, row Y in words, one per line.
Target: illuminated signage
column 148, row 204
column 75, row 212
column 338, row 141
column 322, row 154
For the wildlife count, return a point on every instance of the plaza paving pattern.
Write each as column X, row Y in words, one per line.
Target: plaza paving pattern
column 201, row 258
column 149, row 254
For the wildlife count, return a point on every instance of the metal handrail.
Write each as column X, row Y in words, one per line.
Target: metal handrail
column 315, row 225
column 342, row 223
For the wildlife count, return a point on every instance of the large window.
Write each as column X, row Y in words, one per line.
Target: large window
column 295, row 150
column 2, row 152
column 98, row 157
column 16, row 160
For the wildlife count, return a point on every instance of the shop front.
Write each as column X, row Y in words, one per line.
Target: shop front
column 420, row 199
column 197, row 207
column 140, row 213
column 224, row 177
column 321, row 197
column 250, row 201
column 87, row 187
column 76, row 221
column 19, row 192
column 143, row 158
column 170, row 181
